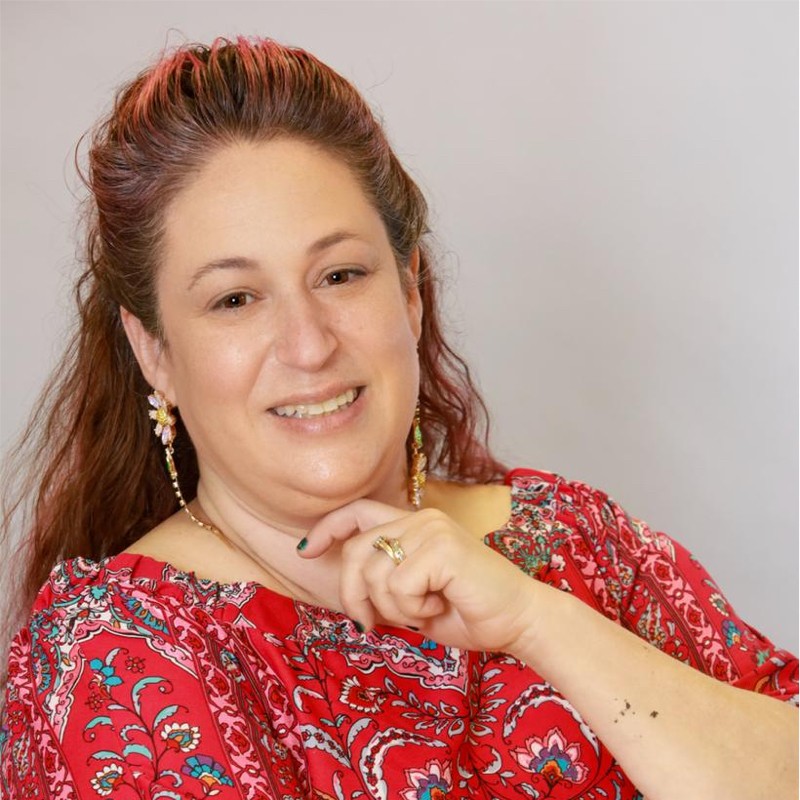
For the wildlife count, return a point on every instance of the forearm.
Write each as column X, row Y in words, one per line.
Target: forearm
column 679, row 734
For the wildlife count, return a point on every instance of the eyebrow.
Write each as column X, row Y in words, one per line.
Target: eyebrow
column 241, row 262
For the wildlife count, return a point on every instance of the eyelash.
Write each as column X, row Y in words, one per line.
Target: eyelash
column 349, row 272
column 221, row 304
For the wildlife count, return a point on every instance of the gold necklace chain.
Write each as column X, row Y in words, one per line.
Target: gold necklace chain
column 205, row 525
column 173, row 474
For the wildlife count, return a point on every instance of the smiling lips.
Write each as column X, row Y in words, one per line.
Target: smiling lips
column 330, row 406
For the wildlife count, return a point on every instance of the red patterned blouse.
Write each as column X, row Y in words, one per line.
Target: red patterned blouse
column 136, row 680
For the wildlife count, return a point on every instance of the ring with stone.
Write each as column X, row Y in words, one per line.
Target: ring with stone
column 392, row 548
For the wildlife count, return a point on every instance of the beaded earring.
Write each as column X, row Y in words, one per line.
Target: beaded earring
column 161, row 414
column 417, row 475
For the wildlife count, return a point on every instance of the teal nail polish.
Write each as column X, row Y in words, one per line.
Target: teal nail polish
column 359, row 627
column 302, row 544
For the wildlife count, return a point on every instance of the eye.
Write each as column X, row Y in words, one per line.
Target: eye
column 338, row 276
column 234, row 300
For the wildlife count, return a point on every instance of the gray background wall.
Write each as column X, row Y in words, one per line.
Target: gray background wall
column 614, row 189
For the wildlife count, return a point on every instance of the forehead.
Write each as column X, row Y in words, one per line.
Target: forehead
column 266, row 200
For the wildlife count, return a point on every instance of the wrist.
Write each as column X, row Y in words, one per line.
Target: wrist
column 542, row 606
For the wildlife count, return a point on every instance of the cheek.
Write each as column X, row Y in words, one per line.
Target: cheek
column 394, row 345
column 213, row 371
column 388, row 323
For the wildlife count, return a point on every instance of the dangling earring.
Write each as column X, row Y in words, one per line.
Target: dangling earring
column 164, row 429
column 417, row 475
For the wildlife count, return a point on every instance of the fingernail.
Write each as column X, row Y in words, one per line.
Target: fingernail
column 302, row 544
column 359, row 627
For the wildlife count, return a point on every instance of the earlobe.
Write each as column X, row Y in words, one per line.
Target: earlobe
column 150, row 354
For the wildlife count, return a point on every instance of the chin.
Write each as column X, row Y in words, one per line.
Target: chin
column 327, row 487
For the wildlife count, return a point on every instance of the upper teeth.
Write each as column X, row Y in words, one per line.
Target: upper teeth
column 316, row 409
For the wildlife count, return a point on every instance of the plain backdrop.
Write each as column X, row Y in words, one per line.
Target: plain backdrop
column 614, row 195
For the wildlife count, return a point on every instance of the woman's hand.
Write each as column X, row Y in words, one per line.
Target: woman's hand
column 692, row 736
column 450, row 586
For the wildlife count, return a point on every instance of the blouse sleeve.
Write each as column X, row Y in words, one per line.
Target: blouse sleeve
column 106, row 697
column 664, row 595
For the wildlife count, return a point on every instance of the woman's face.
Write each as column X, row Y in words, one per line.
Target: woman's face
column 290, row 341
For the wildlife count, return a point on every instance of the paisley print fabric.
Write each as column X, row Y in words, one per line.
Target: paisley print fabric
column 136, row 680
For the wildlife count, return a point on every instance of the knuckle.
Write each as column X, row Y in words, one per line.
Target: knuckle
column 437, row 523
column 432, row 515
column 373, row 581
column 349, row 546
column 395, row 583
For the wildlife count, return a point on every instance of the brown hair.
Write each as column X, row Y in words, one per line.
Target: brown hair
column 95, row 481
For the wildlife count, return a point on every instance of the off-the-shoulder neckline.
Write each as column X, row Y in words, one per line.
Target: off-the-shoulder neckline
column 157, row 569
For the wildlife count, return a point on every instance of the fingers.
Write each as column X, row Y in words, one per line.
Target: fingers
column 373, row 588
column 382, row 592
column 360, row 571
column 367, row 582
column 339, row 525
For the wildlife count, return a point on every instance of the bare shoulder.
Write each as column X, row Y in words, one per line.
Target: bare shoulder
column 166, row 542
column 178, row 542
column 478, row 508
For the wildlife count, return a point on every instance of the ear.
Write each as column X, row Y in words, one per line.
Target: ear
column 413, row 296
column 151, row 354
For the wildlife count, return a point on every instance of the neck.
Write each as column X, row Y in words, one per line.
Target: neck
column 265, row 543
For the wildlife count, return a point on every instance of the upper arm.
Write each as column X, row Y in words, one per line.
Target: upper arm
column 118, row 699
column 669, row 599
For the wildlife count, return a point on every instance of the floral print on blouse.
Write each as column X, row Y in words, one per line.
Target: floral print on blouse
column 136, row 680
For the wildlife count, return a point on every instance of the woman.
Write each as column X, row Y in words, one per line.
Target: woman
column 322, row 619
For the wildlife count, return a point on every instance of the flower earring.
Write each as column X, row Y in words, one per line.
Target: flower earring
column 417, row 475
column 161, row 414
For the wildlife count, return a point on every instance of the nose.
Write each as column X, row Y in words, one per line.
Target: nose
column 305, row 338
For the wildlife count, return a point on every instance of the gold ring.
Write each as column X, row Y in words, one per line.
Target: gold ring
column 392, row 548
